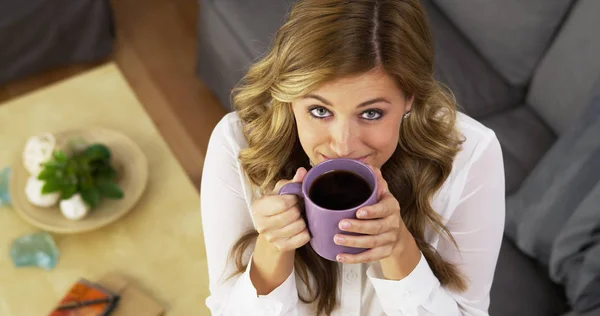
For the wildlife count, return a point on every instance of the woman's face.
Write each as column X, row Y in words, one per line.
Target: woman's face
column 357, row 117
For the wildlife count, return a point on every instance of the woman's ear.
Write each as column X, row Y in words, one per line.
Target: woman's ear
column 409, row 102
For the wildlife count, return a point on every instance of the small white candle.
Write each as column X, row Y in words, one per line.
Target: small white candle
column 74, row 208
column 33, row 192
column 38, row 150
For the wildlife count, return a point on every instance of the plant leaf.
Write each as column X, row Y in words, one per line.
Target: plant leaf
column 96, row 152
column 48, row 173
column 86, row 184
column 110, row 190
column 68, row 192
column 106, row 172
column 51, row 187
column 60, row 156
column 51, row 163
column 91, row 197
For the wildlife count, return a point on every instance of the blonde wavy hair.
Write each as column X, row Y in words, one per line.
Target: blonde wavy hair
column 324, row 40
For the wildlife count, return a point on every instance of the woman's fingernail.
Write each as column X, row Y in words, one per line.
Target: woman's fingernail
column 339, row 239
column 362, row 213
column 340, row 258
column 345, row 225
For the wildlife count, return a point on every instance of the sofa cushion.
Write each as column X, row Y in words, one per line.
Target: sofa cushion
column 41, row 34
column 564, row 79
column 522, row 287
column 593, row 312
column 255, row 22
column 222, row 59
column 514, row 172
column 511, row 34
column 86, row 28
column 556, row 186
column 554, row 217
column 575, row 258
column 478, row 88
column 524, row 139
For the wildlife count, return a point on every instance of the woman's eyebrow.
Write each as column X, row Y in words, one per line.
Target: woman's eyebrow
column 363, row 104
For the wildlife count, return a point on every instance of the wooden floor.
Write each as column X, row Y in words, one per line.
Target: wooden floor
column 155, row 48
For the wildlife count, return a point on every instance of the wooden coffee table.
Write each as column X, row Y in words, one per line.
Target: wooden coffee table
column 158, row 245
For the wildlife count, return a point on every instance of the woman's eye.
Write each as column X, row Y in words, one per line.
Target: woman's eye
column 371, row 114
column 320, row 112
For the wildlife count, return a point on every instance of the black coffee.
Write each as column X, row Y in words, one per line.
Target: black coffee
column 339, row 190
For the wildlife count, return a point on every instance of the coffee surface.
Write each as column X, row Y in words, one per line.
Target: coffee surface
column 339, row 190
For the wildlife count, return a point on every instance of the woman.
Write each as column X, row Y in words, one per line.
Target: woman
column 352, row 79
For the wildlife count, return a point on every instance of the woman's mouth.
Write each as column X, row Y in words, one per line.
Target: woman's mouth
column 361, row 159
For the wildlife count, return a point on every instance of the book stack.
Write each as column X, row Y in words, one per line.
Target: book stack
column 113, row 295
column 86, row 298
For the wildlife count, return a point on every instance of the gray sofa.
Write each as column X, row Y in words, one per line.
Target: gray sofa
column 526, row 69
column 36, row 35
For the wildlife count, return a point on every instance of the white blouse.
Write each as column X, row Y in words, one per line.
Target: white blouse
column 471, row 202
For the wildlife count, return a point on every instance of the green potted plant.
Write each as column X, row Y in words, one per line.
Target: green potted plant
column 78, row 181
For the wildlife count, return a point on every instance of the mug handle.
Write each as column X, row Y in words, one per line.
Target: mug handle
column 296, row 189
column 292, row 188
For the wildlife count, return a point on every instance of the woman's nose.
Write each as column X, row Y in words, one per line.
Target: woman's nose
column 342, row 139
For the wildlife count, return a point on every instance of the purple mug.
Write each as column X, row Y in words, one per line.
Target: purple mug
column 322, row 222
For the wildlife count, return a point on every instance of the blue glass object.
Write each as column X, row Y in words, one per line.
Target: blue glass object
column 4, row 183
column 34, row 250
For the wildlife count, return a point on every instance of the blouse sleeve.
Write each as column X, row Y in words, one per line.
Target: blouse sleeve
column 225, row 218
column 477, row 225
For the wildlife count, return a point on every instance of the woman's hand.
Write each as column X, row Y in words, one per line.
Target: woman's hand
column 281, row 230
column 278, row 220
column 381, row 223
